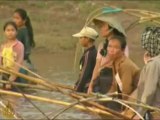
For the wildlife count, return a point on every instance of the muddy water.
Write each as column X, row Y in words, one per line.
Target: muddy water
column 57, row 68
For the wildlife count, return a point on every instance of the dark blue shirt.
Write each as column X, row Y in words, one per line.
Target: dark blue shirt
column 87, row 64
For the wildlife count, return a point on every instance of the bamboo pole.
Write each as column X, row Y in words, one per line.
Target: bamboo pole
column 128, row 101
column 150, row 16
column 142, row 105
column 72, row 94
column 47, row 100
column 40, row 77
column 26, row 85
column 95, row 104
column 35, row 80
column 29, row 78
column 32, row 79
column 25, row 68
column 124, row 104
column 39, row 81
column 142, row 11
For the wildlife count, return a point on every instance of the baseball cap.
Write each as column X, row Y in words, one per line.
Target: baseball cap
column 87, row 32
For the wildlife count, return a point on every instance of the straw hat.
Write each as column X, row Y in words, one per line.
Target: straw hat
column 111, row 21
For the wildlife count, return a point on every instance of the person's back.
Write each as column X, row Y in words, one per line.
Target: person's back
column 148, row 90
column 150, row 79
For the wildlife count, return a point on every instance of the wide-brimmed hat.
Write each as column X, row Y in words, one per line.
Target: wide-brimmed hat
column 111, row 22
column 87, row 32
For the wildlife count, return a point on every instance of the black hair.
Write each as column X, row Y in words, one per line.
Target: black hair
column 121, row 39
column 115, row 32
column 10, row 23
column 24, row 16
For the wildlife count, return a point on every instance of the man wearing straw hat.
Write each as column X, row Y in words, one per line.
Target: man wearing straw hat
column 124, row 69
column 87, row 38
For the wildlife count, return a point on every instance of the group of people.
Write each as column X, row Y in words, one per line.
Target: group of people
column 16, row 48
column 109, row 69
column 106, row 70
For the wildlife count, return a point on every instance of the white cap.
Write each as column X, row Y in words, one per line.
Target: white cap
column 87, row 32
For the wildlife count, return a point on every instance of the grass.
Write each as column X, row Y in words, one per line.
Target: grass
column 54, row 22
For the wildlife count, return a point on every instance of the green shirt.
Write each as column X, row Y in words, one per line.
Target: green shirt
column 24, row 38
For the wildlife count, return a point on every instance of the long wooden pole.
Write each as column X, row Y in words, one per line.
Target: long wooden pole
column 95, row 104
column 72, row 95
column 40, row 77
column 39, row 81
column 29, row 78
column 47, row 100
column 35, row 80
column 26, row 85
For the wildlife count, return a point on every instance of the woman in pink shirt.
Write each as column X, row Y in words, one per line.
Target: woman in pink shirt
column 11, row 51
column 108, row 28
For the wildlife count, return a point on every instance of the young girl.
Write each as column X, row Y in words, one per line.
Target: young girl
column 11, row 51
column 25, row 31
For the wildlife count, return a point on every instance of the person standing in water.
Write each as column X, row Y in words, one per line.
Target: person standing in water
column 11, row 51
column 108, row 28
column 25, row 32
column 148, row 90
column 126, row 72
column 87, row 38
column 107, row 70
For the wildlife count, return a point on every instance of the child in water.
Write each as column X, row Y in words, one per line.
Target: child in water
column 87, row 62
column 11, row 51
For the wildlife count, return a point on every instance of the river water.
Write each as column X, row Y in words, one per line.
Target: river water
column 28, row 111
column 56, row 68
